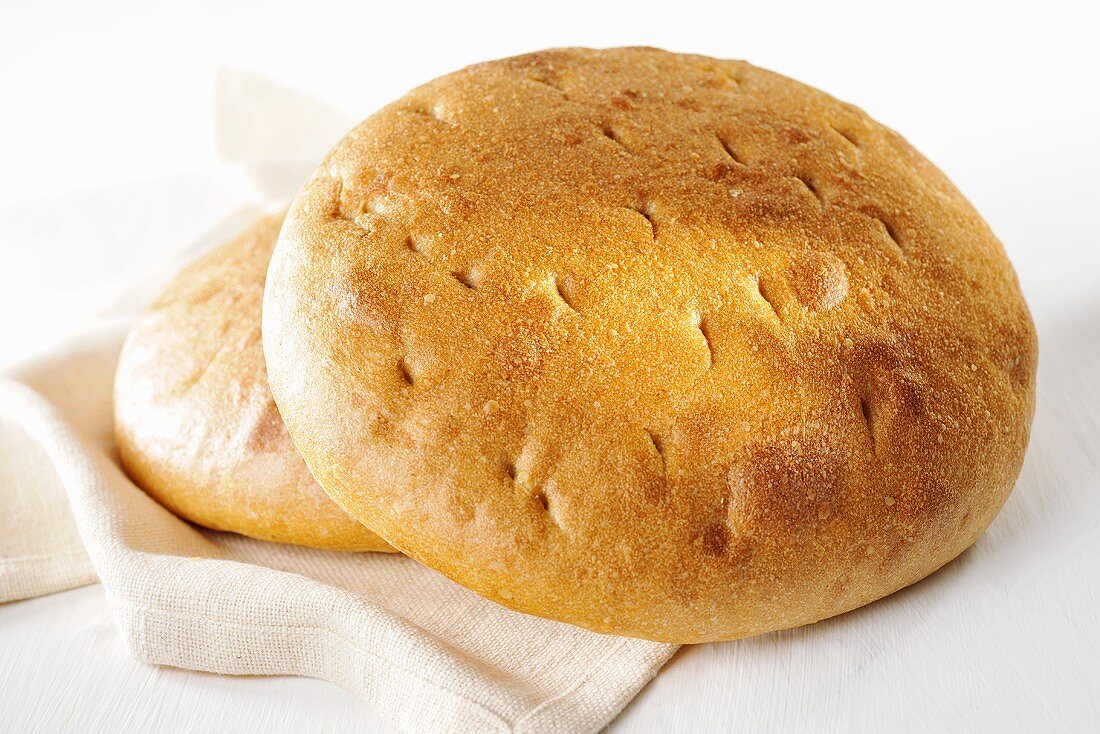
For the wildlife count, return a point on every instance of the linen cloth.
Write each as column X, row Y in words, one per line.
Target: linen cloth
column 426, row 653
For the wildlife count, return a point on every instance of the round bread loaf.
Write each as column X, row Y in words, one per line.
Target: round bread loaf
column 655, row 344
column 196, row 426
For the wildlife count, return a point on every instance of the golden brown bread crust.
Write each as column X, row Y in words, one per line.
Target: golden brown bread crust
column 195, row 422
column 656, row 344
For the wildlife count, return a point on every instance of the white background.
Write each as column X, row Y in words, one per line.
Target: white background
column 109, row 165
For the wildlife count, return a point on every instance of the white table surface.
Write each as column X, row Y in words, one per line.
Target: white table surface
column 110, row 166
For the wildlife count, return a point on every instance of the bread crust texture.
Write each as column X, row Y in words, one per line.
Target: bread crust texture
column 195, row 422
column 656, row 344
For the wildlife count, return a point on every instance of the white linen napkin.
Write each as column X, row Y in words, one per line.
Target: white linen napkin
column 426, row 653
